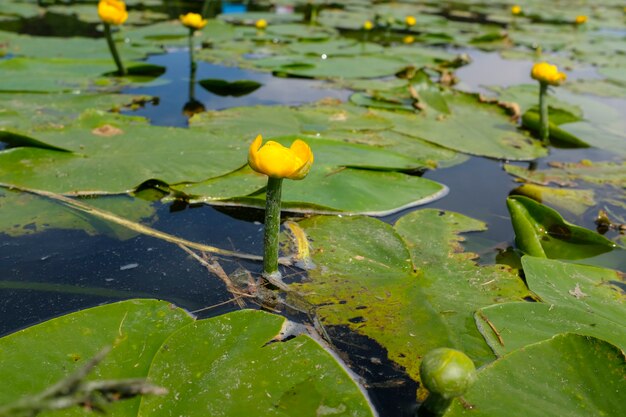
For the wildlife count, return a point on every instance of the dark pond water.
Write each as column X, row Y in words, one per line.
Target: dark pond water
column 59, row 271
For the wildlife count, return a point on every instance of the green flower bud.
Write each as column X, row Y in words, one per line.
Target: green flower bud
column 447, row 372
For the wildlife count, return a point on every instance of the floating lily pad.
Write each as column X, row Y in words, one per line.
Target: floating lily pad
column 472, row 127
column 236, row 368
column 584, row 376
column 64, row 75
column 224, row 88
column 115, row 154
column 541, row 231
column 576, row 298
column 24, row 111
column 572, row 173
column 409, row 287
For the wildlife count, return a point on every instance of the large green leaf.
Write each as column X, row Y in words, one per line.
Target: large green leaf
column 36, row 357
column 541, row 231
column 572, row 173
column 569, row 375
column 409, row 287
column 576, row 298
column 229, row 366
column 115, row 154
column 233, row 365
column 32, row 111
column 65, row 75
column 472, row 127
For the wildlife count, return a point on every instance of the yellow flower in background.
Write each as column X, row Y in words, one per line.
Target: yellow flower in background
column 261, row 24
column 408, row 39
column 410, row 21
column 193, row 21
column 277, row 161
column 548, row 74
column 112, row 12
column 580, row 19
column 516, row 10
column 368, row 25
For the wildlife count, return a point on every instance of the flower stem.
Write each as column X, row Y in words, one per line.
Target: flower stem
column 272, row 227
column 544, row 129
column 192, row 61
column 116, row 57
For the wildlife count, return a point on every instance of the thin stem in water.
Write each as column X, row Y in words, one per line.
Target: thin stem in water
column 544, row 129
column 192, row 62
column 116, row 57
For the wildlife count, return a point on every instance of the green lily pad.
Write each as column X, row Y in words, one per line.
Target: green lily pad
column 569, row 375
column 53, row 75
column 349, row 178
column 115, row 154
column 31, row 111
column 246, row 374
column 242, row 358
column 71, row 48
column 532, row 121
column 36, row 357
column 576, row 298
column 573, row 173
column 541, row 231
column 472, row 127
column 224, row 88
column 410, row 287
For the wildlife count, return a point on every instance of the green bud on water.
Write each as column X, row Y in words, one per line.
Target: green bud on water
column 447, row 372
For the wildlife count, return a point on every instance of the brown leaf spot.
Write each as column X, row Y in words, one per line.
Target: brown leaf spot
column 107, row 130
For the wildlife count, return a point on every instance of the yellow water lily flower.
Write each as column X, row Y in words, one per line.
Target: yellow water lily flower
column 261, row 24
column 368, row 25
column 277, row 161
column 112, row 12
column 548, row 74
column 193, row 21
column 580, row 19
column 408, row 39
column 516, row 10
column 410, row 21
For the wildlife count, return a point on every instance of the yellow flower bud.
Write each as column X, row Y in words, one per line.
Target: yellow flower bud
column 277, row 161
column 516, row 10
column 112, row 12
column 193, row 21
column 410, row 21
column 548, row 74
column 261, row 24
column 368, row 25
column 580, row 19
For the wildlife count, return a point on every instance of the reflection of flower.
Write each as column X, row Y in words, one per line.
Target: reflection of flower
column 580, row 19
column 547, row 74
column 261, row 24
column 193, row 21
column 277, row 161
column 516, row 10
column 410, row 21
column 193, row 107
column 112, row 12
column 368, row 25
column 408, row 39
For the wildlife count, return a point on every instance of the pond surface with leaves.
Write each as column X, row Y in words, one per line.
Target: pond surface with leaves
column 433, row 216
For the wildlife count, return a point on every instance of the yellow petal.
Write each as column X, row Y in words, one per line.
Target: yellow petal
column 277, row 161
column 112, row 12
